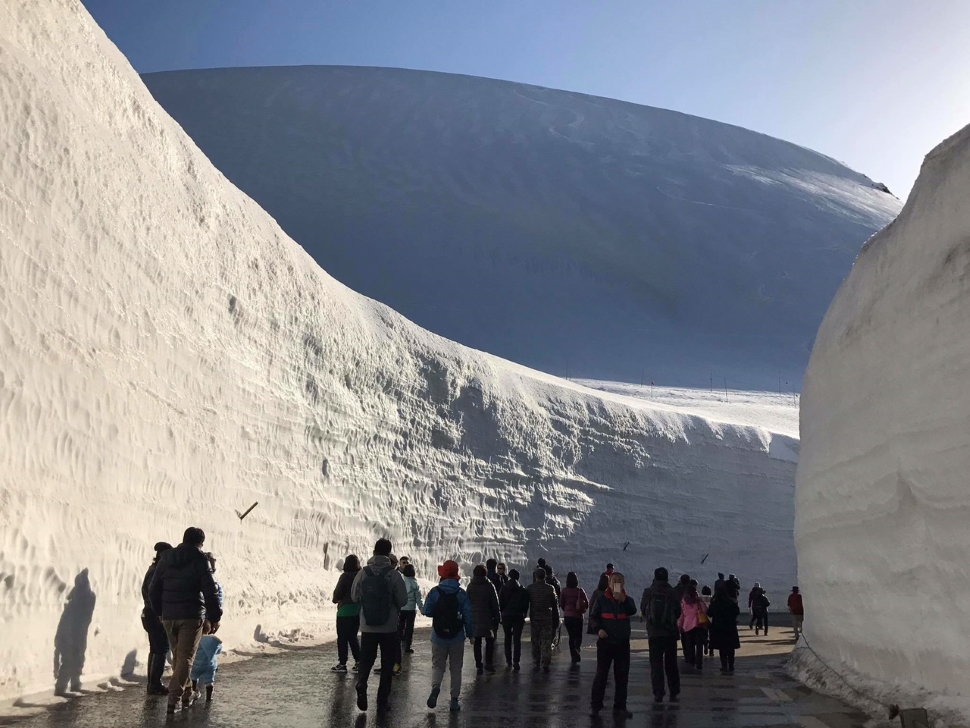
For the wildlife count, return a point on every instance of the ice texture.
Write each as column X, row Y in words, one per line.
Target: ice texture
column 882, row 501
column 170, row 356
column 578, row 235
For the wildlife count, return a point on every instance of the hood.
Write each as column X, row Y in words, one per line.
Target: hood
column 379, row 562
column 182, row 555
column 449, row 586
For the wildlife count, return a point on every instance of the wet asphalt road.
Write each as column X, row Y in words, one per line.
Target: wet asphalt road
column 297, row 690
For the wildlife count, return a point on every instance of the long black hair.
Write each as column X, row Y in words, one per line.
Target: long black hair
column 572, row 581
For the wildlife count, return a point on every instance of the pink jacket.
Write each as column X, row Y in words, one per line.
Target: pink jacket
column 688, row 615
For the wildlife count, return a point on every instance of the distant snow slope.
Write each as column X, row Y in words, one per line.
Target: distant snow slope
column 882, row 500
column 170, row 356
column 578, row 235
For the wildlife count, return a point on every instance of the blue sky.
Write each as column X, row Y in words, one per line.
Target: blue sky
column 873, row 83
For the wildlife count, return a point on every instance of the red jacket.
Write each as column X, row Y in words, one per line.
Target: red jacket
column 795, row 604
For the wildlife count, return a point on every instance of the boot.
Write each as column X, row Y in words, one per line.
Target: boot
column 156, row 666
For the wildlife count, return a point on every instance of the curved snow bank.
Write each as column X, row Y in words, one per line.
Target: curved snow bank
column 882, row 502
column 170, row 356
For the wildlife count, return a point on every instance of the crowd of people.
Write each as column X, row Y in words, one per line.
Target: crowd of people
column 379, row 602
column 381, row 599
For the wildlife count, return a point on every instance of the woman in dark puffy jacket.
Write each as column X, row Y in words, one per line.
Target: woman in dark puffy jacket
column 486, row 616
column 348, row 615
column 574, row 603
column 724, row 637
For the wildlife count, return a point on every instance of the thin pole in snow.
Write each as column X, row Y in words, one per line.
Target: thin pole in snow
column 712, row 382
column 725, row 389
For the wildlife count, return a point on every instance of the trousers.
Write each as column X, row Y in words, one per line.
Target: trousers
column 452, row 656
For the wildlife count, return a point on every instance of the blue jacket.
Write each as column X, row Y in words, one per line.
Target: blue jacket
column 450, row 586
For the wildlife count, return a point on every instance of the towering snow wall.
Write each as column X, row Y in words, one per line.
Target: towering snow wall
column 882, row 502
column 169, row 356
column 563, row 231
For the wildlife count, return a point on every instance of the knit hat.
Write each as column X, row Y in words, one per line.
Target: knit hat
column 448, row 570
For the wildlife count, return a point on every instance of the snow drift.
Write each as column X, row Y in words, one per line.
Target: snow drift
column 882, row 502
column 170, row 356
column 578, row 235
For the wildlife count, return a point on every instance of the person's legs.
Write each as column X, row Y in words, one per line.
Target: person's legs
column 409, row 628
column 604, row 658
column 456, row 658
column 686, row 648
column 439, row 658
column 489, row 653
column 765, row 617
column 369, row 642
column 536, row 635
column 343, row 641
column 353, row 627
column 478, row 653
column 657, row 647
column 547, row 633
column 723, row 654
column 621, row 672
column 730, row 658
column 574, row 627
column 390, row 653
column 698, row 645
column 507, row 628
column 517, row 627
column 671, row 667
column 184, row 636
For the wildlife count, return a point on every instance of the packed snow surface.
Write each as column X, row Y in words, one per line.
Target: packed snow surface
column 882, row 501
column 170, row 356
column 582, row 236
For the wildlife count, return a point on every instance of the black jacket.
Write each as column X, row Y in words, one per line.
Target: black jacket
column 613, row 617
column 661, row 588
column 148, row 612
column 485, row 610
column 514, row 601
column 723, row 631
column 182, row 586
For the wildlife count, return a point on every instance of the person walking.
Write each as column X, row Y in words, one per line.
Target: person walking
column 724, row 637
column 552, row 581
column 693, row 626
column 574, row 603
column 486, row 616
column 797, row 609
column 610, row 616
column 405, row 627
column 758, row 603
column 543, row 619
column 679, row 590
column 152, row 624
column 184, row 593
column 707, row 596
column 380, row 591
column 348, row 616
column 661, row 610
column 514, row 603
column 451, row 614
column 601, row 586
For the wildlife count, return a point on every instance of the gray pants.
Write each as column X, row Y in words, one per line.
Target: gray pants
column 453, row 654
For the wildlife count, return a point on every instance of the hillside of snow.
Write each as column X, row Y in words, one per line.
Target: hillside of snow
column 882, row 498
column 170, row 356
column 578, row 235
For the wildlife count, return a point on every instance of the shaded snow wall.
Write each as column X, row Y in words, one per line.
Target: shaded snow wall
column 882, row 500
column 169, row 356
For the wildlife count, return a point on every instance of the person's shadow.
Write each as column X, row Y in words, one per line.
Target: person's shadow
column 71, row 639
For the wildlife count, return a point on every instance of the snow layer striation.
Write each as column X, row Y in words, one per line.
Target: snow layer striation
column 578, row 235
column 882, row 501
column 170, row 356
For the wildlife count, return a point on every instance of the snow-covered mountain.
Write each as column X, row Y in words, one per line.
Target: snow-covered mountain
column 578, row 235
column 170, row 356
column 882, row 500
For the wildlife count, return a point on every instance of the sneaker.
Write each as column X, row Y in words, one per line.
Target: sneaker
column 433, row 698
column 479, row 670
column 355, row 667
column 397, row 669
column 189, row 698
column 455, row 705
column 362, row 698
column 171, row 708
column 339, row 668
column 622, row 713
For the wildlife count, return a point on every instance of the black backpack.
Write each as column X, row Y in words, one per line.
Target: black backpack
column 660, row 612
column 375, row 596
column 447, row 621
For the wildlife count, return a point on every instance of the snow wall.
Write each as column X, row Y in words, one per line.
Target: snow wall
column 882, row 501
column 169, row 356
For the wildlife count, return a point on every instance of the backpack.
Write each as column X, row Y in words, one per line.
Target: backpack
column 447, row 621
column 375, row 596
column 660, row 613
